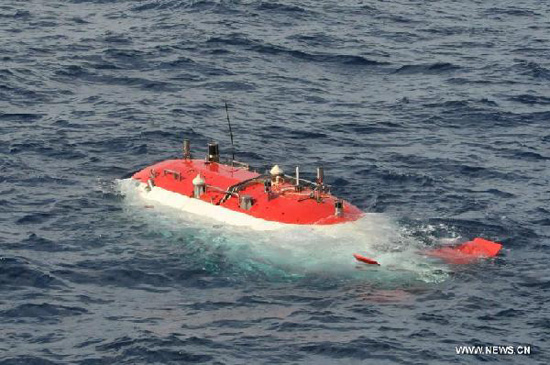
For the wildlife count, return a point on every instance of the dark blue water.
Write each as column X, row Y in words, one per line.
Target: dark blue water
column 434, row 114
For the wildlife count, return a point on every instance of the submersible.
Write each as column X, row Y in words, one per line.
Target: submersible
column 231, row 193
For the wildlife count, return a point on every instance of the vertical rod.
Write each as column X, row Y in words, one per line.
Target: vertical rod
column 186, row 149
column 320, row 175
column 230, row 133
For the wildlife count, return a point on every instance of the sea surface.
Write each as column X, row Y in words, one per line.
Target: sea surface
column 433, row 116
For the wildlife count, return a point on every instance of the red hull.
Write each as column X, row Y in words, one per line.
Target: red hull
column 284, row 204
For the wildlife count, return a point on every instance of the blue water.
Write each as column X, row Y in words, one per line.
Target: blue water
column 432, row 114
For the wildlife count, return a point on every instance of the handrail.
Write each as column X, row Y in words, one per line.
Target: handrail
column 231, row 190
column 221, row 190
column 241, row 164
column 312, row 184
column 235, row 163
column 176, row 174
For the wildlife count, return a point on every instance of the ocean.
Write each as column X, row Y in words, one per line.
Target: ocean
column 431, row 116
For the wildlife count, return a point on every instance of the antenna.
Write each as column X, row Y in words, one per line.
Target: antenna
column 230, row 132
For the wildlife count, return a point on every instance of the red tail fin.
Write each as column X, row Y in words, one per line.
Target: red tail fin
column 480, row 247
column 468, row 251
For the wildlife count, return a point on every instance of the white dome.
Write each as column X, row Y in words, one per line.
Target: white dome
column 198, row 180
column 276, row 171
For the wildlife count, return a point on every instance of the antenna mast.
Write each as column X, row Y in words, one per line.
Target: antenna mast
column 230, row 132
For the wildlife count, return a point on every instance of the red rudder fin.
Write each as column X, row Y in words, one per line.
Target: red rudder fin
column 480, row 247
column 468, row 251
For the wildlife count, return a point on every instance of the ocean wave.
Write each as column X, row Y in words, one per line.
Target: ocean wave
column 264, row 48
column 20, row 117
column 196, row 5
column 433, row 68
column 513, row 11
column 42, row 311
column 280, row 7
column 18, row 273
column 531, row 99
column 534, row 70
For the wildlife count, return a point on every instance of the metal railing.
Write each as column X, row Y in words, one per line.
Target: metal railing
column 235, row 163
column 175, row 174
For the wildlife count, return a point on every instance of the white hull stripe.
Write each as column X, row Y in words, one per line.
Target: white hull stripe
column 199, row 207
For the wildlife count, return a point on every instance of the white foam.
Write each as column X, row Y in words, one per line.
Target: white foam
column 295, row 249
